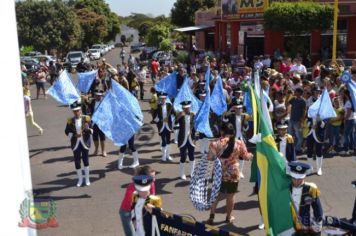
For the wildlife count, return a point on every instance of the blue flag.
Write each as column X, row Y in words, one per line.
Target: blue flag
column 168, row 85
column 202, row 124
column 186, row 94
column 346, row 77
column 217, row 100
column 323, row 107
column 126, row 98
column 85, row 80
column 115, row 119
column 63, row 90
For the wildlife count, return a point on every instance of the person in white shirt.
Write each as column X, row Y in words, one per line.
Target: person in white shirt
column 298, row 68
column 141, row 77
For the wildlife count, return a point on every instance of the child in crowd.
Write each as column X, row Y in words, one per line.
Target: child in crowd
column 153, row 104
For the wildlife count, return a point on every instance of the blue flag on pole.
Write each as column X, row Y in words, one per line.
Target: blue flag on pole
column 85, row 80
column 202, row 124
column 218, row 100
column 346, row 77
column 168, row 85
column 114, row 118
column 323, row 107
column 63, row 90
column 127, row 99
column 186, row 94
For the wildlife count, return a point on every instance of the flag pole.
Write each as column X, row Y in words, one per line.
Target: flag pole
column 336, row 15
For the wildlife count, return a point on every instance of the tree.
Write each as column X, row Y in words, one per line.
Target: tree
column 165, row 45
column 298, row 17
column 183, row 11
column 100, row 7
column 157, row 34
column 144, row 28
column 47, row 24
column 94, row 27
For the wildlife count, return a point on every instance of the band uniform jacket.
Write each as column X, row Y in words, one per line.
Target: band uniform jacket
column 71, row 131
column 151, row 199
column 160, row 122
column 183, row 138
column 309, row 199
column 230, row 117
column 290, row 150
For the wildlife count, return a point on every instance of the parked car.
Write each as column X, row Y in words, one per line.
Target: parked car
column 147, row 53
column 45, row 58
column 137, row 47
column 31, row 64
column 93, row 54
column 73, row 58
column 99, row 47
column 32, row 54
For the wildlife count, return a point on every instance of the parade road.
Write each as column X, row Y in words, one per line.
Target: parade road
column 94, row 210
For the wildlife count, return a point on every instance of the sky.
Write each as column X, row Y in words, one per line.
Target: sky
column 154, row 7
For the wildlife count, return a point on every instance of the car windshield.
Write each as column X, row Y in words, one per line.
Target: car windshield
column 74, row 55
column 96, row 47
column 93, row 50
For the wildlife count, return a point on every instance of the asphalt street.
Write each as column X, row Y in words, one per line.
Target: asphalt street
column 94, row 210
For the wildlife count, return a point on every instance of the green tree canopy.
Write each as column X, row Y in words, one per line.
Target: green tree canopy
column 165, row 45
column 47, row 24
column 94, row 27
column 298, row 17
column 157, row 34
column 183, row 11
column 100, row 7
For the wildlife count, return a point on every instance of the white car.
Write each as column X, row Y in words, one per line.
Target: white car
column 99, row 47
column 93, row 54
column 45, row 58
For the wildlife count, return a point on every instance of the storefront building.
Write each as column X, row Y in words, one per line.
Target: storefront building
column 239, row 30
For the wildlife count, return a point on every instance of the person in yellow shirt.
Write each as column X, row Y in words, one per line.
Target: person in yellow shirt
column 153, row 104
column 335, row 124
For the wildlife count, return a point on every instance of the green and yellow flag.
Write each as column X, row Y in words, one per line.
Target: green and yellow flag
column 274, row 183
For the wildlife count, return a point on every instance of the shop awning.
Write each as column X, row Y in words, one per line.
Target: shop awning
column 192, row 29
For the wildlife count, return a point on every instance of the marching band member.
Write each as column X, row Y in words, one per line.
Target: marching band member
column 164, row 125
column 79, row 131
column 315, row 139
column 305, row 196
column 142, row 203
column 285, row 142
column 122, row 150
column 186, row 134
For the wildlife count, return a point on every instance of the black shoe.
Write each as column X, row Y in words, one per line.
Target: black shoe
column 299, row 153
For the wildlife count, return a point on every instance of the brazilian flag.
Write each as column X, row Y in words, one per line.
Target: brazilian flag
column 274, row 183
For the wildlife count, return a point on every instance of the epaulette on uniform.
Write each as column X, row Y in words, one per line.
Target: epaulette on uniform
column 313, row 190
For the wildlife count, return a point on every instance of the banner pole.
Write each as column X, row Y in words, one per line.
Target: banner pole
column 336, row 15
